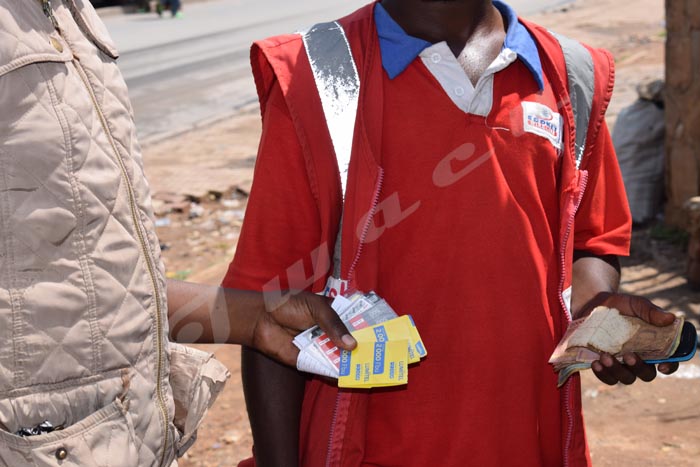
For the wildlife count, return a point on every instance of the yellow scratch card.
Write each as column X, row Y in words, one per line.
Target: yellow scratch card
column 374, row 364
column 415, row 338
column 392, row 330
column 399, row 328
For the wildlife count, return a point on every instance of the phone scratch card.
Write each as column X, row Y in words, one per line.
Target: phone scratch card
column 374, row 364
column 416, row 339
column 387, row 344
column 364, row 312
column 392, row 330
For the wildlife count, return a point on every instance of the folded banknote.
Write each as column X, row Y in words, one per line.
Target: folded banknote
column 605, row 330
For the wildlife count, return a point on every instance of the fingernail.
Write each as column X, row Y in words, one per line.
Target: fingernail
column 348, row 340
column 630, row 360
column 606, row 360
column 597, row 366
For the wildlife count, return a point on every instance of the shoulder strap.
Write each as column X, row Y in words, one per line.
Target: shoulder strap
column 338, row 84
column 581, row 78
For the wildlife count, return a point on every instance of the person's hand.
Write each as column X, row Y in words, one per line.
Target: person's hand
column 276, row 328
column 608, row 369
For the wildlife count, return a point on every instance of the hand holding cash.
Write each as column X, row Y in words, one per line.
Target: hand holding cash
column 386, row 345
column 616, row 338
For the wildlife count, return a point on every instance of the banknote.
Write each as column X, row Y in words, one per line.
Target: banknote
column 606, row 330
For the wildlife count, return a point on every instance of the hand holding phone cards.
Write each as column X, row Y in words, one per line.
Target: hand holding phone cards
column 606, row 330
column 386, row 345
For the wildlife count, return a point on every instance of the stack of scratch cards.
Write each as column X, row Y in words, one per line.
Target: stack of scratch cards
column 386, row 345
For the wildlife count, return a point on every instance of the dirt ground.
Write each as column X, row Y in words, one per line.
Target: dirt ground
column 641, row 425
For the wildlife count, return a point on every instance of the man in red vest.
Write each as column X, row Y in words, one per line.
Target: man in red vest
column 464, row 207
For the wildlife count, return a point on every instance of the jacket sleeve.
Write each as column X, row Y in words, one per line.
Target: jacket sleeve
column 282, row 226
column 603, row 222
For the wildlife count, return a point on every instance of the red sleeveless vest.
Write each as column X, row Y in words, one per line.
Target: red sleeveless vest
column 333, row 421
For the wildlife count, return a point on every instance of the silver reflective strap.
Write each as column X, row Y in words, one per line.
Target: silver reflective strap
column 581, row 77
column 338, row 84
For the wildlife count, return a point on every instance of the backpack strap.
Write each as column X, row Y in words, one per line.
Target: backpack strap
column 581, row 77
column 338, row 84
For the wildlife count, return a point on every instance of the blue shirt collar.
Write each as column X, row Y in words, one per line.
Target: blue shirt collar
column 398, row 49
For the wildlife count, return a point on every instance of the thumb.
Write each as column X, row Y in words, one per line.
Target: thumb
column 328, row 320
column 661, row 318
column 634, row 305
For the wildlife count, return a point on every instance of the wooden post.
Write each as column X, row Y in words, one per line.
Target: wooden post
column 682, row 108
column 692, row 209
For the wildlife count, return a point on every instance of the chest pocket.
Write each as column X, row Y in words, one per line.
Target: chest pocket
column 27, row 37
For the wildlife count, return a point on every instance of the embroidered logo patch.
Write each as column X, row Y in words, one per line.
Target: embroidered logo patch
column 542, row 121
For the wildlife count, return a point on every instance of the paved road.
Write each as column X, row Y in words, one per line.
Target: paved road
column 182, row 73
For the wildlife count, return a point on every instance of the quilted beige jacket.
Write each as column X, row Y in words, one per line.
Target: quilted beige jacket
column 83, row 322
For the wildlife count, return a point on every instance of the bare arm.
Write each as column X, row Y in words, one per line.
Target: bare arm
column 592, row 275
column 282, row 228
column 273, row 391
column 273, row 395
column 209, row 314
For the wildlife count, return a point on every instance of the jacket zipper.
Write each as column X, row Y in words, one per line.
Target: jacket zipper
column 351, row 273
column 365, row 228
column 567, row 387
column 331, row 435
column 48, row 12
column 144, row 248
